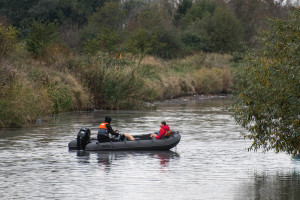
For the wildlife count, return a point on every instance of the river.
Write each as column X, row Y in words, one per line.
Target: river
column 210, row 162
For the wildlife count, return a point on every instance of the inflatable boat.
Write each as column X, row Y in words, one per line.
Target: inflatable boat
column 141, row 142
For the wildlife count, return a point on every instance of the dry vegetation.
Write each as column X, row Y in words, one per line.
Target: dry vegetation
column 32, row 89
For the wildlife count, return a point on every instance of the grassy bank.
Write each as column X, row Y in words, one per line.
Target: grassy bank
column 32, row 89
column 201, row 73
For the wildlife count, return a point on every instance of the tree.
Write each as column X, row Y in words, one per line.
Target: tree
column 197, row 11
column 182, row 9
column 16, row 10
column 41, row 36
column 150, row 31
column 110, row 16
column 143, row 42
column 106, row 41
column 212, row 26
column 253, row 15
column 221, row 31
column 267, row 88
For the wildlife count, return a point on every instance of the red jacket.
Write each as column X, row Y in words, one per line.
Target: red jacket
column 162, row 131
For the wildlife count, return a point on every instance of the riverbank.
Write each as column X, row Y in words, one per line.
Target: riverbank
column 32, row 89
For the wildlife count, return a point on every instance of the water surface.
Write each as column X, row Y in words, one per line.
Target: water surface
column 210, row 162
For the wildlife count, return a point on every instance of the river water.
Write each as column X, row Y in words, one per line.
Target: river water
column 210, row 162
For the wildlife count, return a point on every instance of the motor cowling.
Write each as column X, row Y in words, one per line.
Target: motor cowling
column 83, row 138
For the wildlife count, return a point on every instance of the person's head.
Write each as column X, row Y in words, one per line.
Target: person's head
column 108, row 119
column 163, row 123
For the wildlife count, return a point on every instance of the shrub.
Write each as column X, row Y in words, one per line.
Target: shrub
column 40, row 37
column 106, row 42
column 8, row 39
column 62, row 97
column 221, row 31
column 212, row 81
column 20, row 103
column 267, row 88
column 113, row 87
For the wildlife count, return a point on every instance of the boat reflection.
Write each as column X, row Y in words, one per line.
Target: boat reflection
column 105, row 159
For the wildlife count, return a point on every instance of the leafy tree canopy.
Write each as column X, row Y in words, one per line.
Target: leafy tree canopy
column 41, row 35
column 267, row 88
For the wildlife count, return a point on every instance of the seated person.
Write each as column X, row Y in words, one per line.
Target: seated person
column 105, row 129
column 163, row 132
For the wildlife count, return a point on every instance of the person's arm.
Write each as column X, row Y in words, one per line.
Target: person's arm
column 161, row 133
column 110, row 130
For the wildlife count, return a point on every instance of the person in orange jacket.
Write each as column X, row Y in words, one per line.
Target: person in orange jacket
column 105, row 129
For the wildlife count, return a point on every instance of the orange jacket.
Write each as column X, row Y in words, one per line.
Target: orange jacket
column 103, row 125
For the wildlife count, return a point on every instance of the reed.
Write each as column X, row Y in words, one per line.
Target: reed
column 202, row 73
column 32, row 89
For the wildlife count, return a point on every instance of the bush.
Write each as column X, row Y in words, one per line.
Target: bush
column 40, row 37
column 212, row 27
column 212, row 81
column 20, row 103
column 108, row 17
column 8, row 39
column 113, row 87
column 192, row 39
column 169, row 45
column 106, row 42
column 267, row 88
column 221, row 31
column 62, row 97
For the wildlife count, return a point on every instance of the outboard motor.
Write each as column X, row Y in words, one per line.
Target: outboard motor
column 83, row 138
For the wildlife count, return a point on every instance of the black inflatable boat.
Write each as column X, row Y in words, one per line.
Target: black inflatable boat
column 142, row 142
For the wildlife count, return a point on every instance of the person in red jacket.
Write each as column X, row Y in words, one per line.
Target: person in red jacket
column 164, row 129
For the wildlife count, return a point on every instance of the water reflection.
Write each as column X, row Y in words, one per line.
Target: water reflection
column 267, row 186
column 164, row 157
column 210, row 162
column 106, row 158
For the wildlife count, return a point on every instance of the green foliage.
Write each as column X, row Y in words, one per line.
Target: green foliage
column 20, row 103
column 143, row 42
column 182, row 9
column 115, row 87
column 192, row 39
column 108, row 17
column 8, row 39
column 16, row 10
column 197, row 11
column 22, row 12
column 76, row 11
column 253, row 14
column 221, row 31
column 267, row 88
column 41, row 36
column 150, row 32
column 61, row 96
column 106, row 41
column 169, row 45
column 209, row 26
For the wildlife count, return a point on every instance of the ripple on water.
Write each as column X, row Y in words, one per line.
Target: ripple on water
column 210, row 162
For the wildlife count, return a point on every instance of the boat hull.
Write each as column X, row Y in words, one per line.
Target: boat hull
column 141, row 143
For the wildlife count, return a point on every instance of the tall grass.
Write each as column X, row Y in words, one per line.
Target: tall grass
column 114, row 86
column 31, row 89
column 201, row 73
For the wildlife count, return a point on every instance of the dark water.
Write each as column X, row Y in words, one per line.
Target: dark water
column 210, row 162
